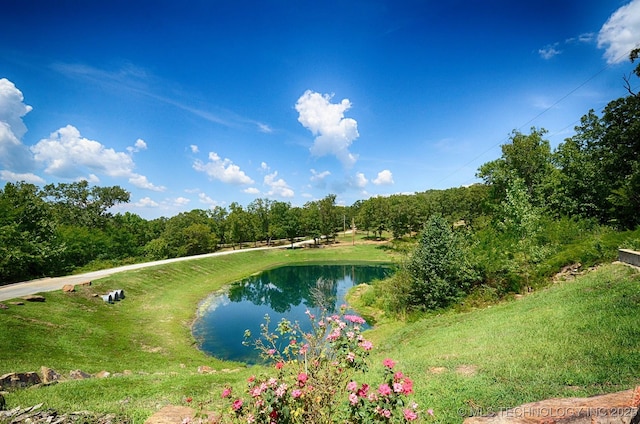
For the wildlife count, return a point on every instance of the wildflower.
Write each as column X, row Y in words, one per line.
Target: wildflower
column 226, row 392
column 409, row 414
column 271, row 352
column 353, row 398
column 351, row 356
column 397, row 387
column 430, row 412
column 251, row 379
column 350, row 335
column 352, row 386
column 296, row 393
column 189, row 399
column 407, row 387
column 389, row 363
column 304, row 349
column 354, row 319
column 384, row 390
column 237, row 404
column 302, row 378
column 251, row 419
column 364, row 390
column 366, row 345
column 279, row 365
column 281, row 390
column 398, row 376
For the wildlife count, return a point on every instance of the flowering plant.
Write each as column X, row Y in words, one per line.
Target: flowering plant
column 315, row 378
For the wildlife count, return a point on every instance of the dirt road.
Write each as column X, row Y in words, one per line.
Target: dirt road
column 25, row 288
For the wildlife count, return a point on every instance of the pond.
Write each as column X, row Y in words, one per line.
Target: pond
column 285, row 292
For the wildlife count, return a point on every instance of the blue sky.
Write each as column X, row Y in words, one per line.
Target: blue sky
column 195, row 104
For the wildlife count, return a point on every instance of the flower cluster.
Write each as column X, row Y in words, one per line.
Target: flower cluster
column 314, row 378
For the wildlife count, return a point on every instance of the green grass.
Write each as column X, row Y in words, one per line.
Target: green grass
column 570, row 339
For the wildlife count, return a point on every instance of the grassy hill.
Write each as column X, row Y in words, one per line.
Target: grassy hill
column 574, row 338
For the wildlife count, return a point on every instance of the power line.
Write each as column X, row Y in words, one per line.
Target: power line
column 592, row 77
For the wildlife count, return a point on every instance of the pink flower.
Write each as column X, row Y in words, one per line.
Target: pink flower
column 397, row 387
column 304, row 349
column 366, row 345
column 352, row 386
column 237, row 404
column 363, row 390
column 296, row 393
column 251, row 379
column 398, row 376
column 271, row 352
column 281, row 390
column 279, row 365
column 354, row 319
column 407, row 387
column 353, row 398
column 430, row 412
column 384, row 390
column 251, row 419
column 302, row 378
column 409, row 415
column 351, row 356
column 389, row 363
column 226, row 392
column 334, row 335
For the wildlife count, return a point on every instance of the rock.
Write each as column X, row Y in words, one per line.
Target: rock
column 34, row 298
column 103, row 374
column 49, row 375
column 68, row 288
column 79, row 375
column 205, row 369
column 170, row 415
column 619, row 408
column 3, row 306
column 19, row 380
column 85, row 283
column 17, row 303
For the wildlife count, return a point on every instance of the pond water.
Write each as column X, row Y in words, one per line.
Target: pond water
column 285, row 292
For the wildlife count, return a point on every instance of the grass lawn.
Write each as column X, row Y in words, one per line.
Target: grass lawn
column 571, row 339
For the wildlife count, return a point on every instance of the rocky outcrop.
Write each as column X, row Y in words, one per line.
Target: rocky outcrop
column 614, row 408
column 18, row 380
column 36, row 415
column 50, row 376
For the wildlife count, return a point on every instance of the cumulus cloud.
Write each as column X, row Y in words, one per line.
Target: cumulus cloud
column 180, row 201
column 146, row 202
column 194, row 148
column 26, row 177
column 138, row 146
column 621, row 33
column 277, row 187
column 334, row 133
column 222, row 169
column 319, row 176
column 360, row 180
column 384, row 177
column 251, row 190
column 206, row 200
column 66, row 154
column 13, row 154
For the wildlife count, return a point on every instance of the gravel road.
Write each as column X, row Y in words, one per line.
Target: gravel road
column 16, row 290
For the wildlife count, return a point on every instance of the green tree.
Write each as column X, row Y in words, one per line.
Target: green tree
column 438, row 268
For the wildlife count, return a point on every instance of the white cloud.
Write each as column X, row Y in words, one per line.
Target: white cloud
column 361, row 181
column 334, row 133
column 264, row 167
column 141, row 181
column 277, row 187
column 319, row 176
column 207, row 200
column 385, row 177
column 138, row 146
column 222, row 169
column 66, row 154
column 194, row 148
column 14, row 177
column 13, row 154
column 621, row 33
column 251, row 190
column 181, row 201
column 264, row 128
column 146, row 202
column 549, row 51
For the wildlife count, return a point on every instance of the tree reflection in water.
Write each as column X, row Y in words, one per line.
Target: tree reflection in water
column 285, row 292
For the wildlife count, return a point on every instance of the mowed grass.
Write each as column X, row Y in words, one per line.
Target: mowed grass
column 571, row 339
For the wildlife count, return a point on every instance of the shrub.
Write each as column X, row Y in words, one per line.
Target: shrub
column 318, row 377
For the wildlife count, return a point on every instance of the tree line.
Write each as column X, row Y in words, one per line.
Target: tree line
column 592, row 177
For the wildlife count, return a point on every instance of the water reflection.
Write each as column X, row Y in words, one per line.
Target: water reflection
column 285, row 292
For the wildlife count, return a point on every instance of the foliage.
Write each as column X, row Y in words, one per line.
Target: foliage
column 438, row 269
column 316, row 378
